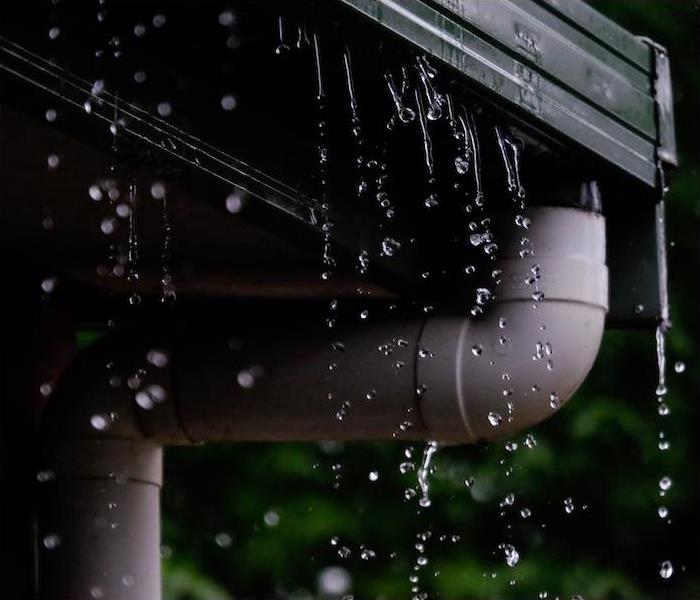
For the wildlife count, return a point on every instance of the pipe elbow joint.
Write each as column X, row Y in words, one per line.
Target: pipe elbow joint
column 521, row 361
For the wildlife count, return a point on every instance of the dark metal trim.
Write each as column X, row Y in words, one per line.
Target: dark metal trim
column 584, row 91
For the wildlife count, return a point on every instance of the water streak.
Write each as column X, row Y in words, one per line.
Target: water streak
column 132, row 258
column 424, row 473
column 168, row 291
column 404, row 113
column 427, row 143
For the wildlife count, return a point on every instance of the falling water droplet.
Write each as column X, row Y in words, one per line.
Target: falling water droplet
column 51, row 541
column 666, row 569
column 494, row 419
column 424, row 473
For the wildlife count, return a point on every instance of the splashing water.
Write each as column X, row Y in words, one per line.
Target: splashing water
column 424, row 473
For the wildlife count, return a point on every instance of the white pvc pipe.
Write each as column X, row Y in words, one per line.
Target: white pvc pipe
column 475, row 380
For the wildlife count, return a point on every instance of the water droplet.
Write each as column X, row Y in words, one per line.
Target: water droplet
column 128, row 580
column 51, row 541
column 271, row 518
column 530, row 441
column 228, row 102
column 159, row 20
column 50, row 115
column 511, row 554
column 679, row 367
column 367, row 554
column 666, row 569
column 664, row 410
column 483, row 295
column 554, row 401
column 373, row 475
column 227, row 18
column 100, row 422
column 525, row 513
column 370, row 394
column 234, row 203
column 390, row 247
column 494, row 419
column 569, row 506
column 477, row 349
column 96, row 593
column 245, row 379
column 638, row 309
column 665, row 483
column 223, row 539
column 158, row 358
column 158, row 190
column 663, row 512
column 164, row 109
column 52, row 160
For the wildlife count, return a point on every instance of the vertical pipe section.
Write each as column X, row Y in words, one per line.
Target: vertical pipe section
column 99, row 524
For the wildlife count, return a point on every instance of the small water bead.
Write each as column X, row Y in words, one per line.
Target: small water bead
column 49, row 284
column 390, row 247
column 569, row 506
column 554, row 401
column 97, row 593
column 679, row 367
column 245, row 379
column 54, row 32
column 159, row 20
column 483, row 295
column 164, row 109
column 511, row 446
column 664, row 445
column 367, row 554
column 52, row 160
column 373, row 475
column 461, row 165
column 530, row 441
column 422, row 560
column 494, row 419
column 477, row 349
column 228, row 102
column 344, row 552
column 140, row 76
column 158, row 190
column 665, row 483
column 364, row 314
column 44, row 476
column 158, row 358
column 100, row 422
column 638, row 309
column 664, row 410
column 666, row 569
column 370, row 394
column 525, row 513
column 511, row 554
column 509, row 500
column 223, row 539
column 271, row 518
column 152, row 395
column 50, row 115
column 470, row 269
column 51, row 541
column 662, row 512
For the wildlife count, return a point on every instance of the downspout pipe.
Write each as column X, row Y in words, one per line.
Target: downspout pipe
column 446, row 378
